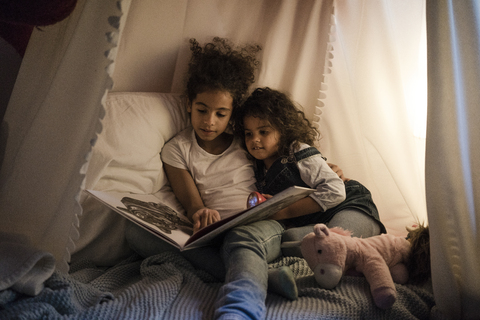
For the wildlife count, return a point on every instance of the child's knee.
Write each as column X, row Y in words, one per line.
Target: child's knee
column 257, row 237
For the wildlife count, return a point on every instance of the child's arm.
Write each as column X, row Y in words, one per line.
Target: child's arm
column 329, row 184
column 187, row 193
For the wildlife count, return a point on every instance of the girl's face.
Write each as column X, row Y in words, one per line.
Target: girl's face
column 210, row 113
column 261, row 140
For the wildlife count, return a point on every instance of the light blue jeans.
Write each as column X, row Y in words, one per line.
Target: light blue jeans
column 246, row 252
column 204, row 258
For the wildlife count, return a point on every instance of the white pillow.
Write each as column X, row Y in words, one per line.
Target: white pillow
column 126, row 158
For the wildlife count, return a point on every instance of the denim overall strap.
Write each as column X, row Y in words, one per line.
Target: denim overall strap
column 283, row 173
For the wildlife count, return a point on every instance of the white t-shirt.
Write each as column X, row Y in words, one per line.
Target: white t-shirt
column 224, row 181
column 316, row 173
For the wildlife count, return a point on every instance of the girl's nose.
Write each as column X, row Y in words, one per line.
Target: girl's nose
column 209, row 119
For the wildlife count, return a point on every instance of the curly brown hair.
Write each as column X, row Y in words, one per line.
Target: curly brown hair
column 418, row 263
column 220, row 66
column 281, row 112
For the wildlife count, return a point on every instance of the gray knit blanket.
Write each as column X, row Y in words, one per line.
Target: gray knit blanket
column 166, row 286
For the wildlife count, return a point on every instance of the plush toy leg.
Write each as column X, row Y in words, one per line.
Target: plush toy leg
column 381, row 283
column 281, row 281
column 384, row 297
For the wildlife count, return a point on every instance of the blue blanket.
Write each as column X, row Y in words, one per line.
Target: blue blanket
column 166, row 286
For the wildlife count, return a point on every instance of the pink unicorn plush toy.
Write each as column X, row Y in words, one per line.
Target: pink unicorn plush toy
column 381, row 259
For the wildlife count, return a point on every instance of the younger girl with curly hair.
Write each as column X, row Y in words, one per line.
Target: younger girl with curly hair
column 280, row 139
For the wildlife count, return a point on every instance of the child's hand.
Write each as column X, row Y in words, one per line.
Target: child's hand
column 203, row 217
column 338, row 171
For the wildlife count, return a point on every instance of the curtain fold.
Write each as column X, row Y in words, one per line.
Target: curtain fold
column 51, row 119
column 452, row 153
column 373, row 97
column 293, row 35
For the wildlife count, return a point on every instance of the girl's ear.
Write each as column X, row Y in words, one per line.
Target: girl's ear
column 189, row 106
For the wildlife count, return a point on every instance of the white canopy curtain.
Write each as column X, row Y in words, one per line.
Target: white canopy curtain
column 154, row 52
column 453, row 150
column 376, row 94
column 52, row 117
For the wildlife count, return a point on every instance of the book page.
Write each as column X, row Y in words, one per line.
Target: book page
column 148, row 212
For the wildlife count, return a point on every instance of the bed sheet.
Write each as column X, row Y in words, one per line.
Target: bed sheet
column 166, row 286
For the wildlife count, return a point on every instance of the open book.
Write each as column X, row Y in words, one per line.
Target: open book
column 163, row 221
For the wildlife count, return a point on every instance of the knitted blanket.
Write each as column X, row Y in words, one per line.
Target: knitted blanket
column 166, row 286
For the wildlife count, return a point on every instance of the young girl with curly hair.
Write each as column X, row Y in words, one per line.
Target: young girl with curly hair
column 207, row 168
column 280, row 139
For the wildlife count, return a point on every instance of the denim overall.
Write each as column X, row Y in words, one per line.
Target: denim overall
column 284, row 173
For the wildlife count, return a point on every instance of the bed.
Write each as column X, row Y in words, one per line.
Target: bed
column 107, row 280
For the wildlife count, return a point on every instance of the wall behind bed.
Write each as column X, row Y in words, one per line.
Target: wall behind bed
column 153, row 53
column 372, row 49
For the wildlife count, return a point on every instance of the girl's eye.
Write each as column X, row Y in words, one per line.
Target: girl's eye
column 220, row 115
column 248, row 134
column 201, row 111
